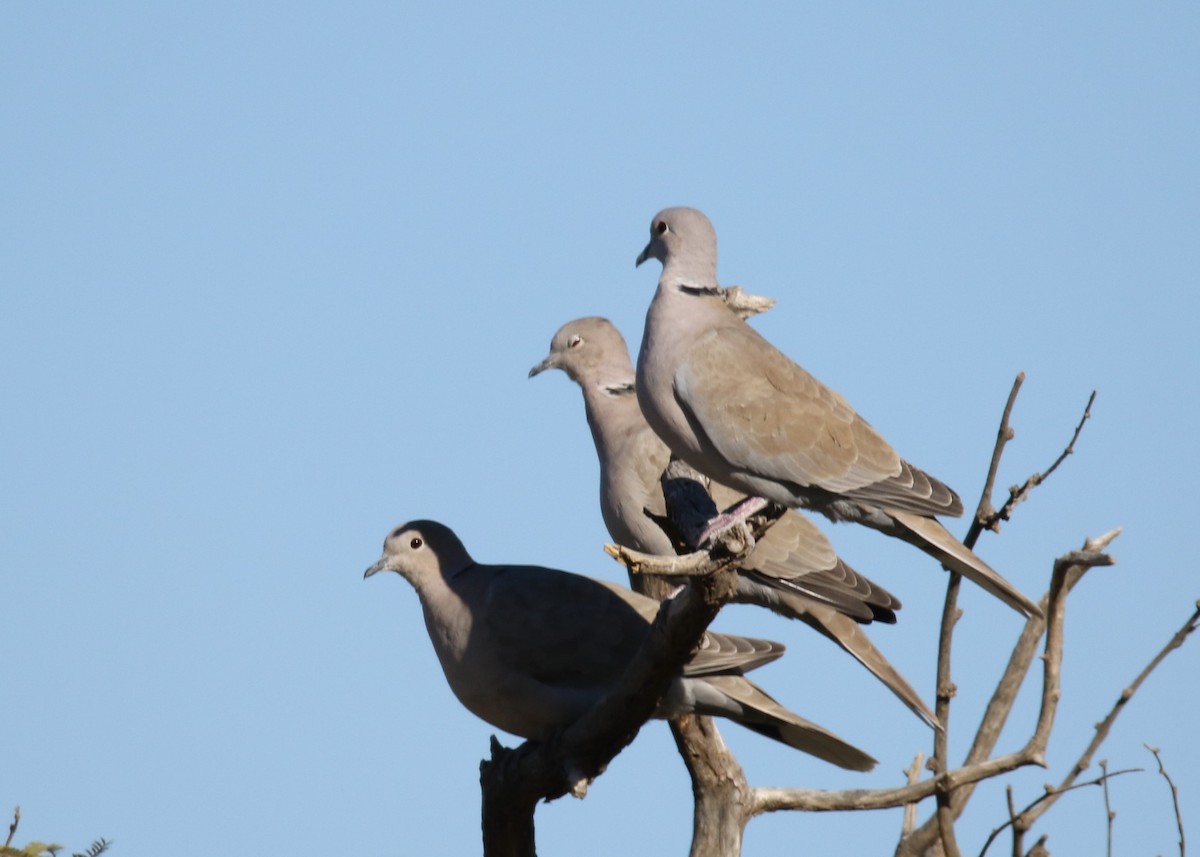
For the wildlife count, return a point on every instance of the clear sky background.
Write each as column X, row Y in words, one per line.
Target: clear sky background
column 272, row 278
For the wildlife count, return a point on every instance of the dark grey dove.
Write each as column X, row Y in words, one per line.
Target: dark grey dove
column 737, row 409
column 530, row 649
column 793, row 570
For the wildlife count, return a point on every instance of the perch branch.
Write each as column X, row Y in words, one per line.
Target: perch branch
column 513, row 781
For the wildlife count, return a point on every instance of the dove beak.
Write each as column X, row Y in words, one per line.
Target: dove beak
column 549, row 363
column 379, row 566
column 644, row 255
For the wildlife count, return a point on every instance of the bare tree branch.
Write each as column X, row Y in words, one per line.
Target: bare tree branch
column 1109, row 815
column 913, row 775
column 1003, row 698
column 1030, row 816
column 945, row 693
column 719, row 788
column 776, row 799
column 1013, row 815
column 12, row 828
column 1174, row 797
column 985, row 512
column 1019, row 493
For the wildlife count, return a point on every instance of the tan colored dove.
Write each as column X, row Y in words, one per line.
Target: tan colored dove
column 740, row 411
column 793, row 570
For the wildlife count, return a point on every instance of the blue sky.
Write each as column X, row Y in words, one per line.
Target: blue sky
column 272, row 277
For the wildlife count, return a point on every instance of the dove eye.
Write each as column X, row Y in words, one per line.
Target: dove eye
column 661, row 227
column 575, row 342
column 416, row 543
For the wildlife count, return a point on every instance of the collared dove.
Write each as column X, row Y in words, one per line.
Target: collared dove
column 530, row 649
column 793, row 569
column 737, row 409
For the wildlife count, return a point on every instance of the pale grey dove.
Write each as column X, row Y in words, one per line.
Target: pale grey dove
column 530, row 649
column 738, row 410
column 793, row 570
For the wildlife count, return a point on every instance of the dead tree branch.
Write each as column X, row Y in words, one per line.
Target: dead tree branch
column 1174, row 798
column 1003, row 698
column 1019, row 493
column 1013, row 815
column 12, row 828
column 985, row 513
column 913, row 775
column 1073, row 563
column 1105, row 726
column 1109, row 815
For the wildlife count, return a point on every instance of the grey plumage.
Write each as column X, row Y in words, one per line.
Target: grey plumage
column 739, row 410
column 793, row 569
column 529, row 649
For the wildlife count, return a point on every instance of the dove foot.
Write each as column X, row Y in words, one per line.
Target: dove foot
column 729, row 519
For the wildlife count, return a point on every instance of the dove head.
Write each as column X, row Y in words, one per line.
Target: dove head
column 685, row 242
column 421, row 549
column 591, row 351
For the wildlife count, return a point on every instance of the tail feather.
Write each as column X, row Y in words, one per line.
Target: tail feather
column 843, row 630
column 852, row 638
column 930, row 536
column 748, row 705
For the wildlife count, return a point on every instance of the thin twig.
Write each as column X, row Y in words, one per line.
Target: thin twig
column 985, row 512
column 1039, row 848
column 1018, row 836
column 12, row 828
column 1050, row 793
column 912, row 775
column 1109, row 815
column 1174, row 797
column 1019, row 493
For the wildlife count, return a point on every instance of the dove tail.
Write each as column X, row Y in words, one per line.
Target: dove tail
column 748, row 705
column 930, row 536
